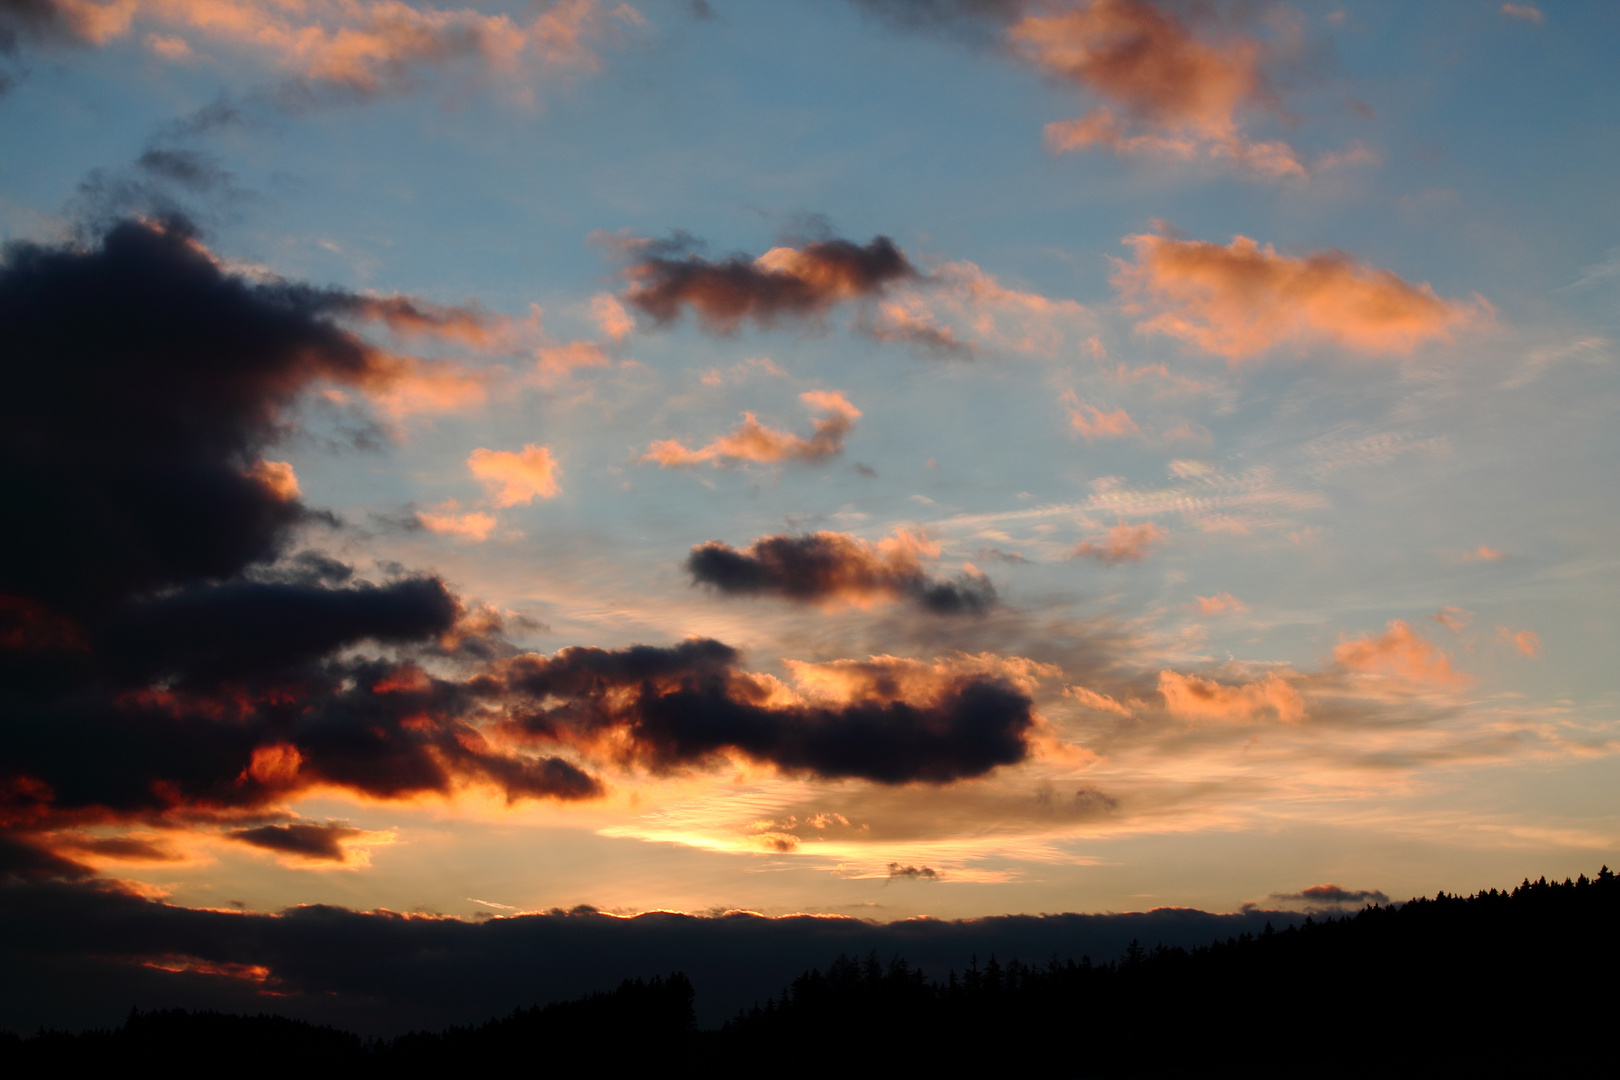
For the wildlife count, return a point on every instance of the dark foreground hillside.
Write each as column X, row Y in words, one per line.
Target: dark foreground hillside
column 1520, row 983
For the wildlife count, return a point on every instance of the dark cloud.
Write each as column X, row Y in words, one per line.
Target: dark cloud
column 143, row 384
column 21, row 860
column 127, row 848
column 785, row 282
column 701, row 10
column 166, row 658
column 1331, row 896
column 677, row 707
column 912, row 873
column 834, row 566
column 158, row 655
column 248, row 628
column 318, row 842
column 34, row 21
column 74, row 956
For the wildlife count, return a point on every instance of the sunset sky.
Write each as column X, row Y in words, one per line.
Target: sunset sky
column 863, row 457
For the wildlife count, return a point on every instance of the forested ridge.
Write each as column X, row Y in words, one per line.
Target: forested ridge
column 1519, row 982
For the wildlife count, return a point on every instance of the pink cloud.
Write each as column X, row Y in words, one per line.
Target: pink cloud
column 447, row 519
column 752, row 441
column 1219, row 604
column 516, row 479
column 1192, row 698
column 1093, row 424
column 1243, row 299
column 1401, row 653
column 1483, row 553
column 364, row 46
column 1178, row 94
column 1124, row 543
column 1526, row 641
column 1527, row 12
column 1453, row 618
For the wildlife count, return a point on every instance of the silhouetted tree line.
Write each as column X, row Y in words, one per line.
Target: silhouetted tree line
column 1519, row 982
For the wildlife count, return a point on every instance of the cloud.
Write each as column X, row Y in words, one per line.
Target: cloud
column 785, row 282
column 1398, row 652
column 1483, row 553
column 516, row 479
column 611, row 318
column 1192, row 698
column 1331, row 896
column 886, row 720
column 1093, row 700
column 912, row 873
column 836, row 567
column 448, row 519
column 1219, row 604
column 316, row 843
column 1124, row 543
column 1184, row 90
column 1453, row 618
column 1093, row 424
column 959, row 311
column 1527, row 12
column 146, row 383
column 1243, row 300
column 1527, row 642
column 753, row 442
column 360, row 48
column 164, row 652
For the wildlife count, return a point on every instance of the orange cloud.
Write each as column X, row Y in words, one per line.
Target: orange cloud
column 1399, row 652
column 364, row 46
column 516, row 479
column 751, row 441
column 960, row 310
column 1243, row 299
column 447, row 520
column 410, row 317
column 1192, row 698
column 401, row 386
column 611, row 318
column 1124, row 543
column 1144, row 61
column 278, row 476
column 1483, row 554
column 1527, row 12
column 1092, row 423
column 1219, row 604
column 558, row 361
column 1453, row 618
column 1526, row 641
column 1092, row 699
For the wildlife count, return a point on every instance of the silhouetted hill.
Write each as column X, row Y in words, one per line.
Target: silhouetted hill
column 1515, row 983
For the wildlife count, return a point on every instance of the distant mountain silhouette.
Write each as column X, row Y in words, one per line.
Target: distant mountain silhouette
column 1518, row 983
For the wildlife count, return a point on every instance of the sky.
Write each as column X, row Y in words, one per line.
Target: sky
column 854, row 457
